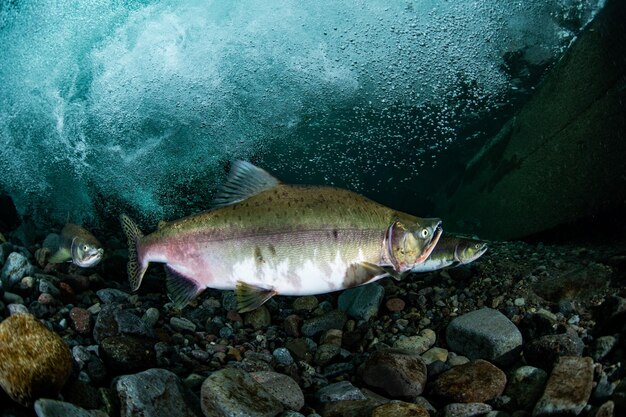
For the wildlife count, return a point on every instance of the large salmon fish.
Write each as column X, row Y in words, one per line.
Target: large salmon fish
column 263, row 238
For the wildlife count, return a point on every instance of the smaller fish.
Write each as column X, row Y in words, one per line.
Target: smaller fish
column 452, row 251
column 76, row 245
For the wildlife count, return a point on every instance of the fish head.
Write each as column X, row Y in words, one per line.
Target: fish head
column 468, row 250
column 86, row 252
column 411, row 244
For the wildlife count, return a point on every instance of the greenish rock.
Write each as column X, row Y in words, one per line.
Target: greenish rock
column 282, row 387
column 258, row 318
column 362, row 302
column 45, row 407
column 334, row 319
column 234, row 392
column 525, row 386
column 326, row 353
column 307, row 303
column 400, row 373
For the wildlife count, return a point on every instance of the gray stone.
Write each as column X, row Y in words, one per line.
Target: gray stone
column 258, row 318
column 181, row 324
column 17, row 309
column 283, row 356
column 45, row 407
column 399, row 373
column 233, row 392
column 332, row 320
column 155, row 392
column 418, row 343
column 229, row 301
column 601, row 347
column 112, row 321
column 112, row 295
column 568, row 388
column 308, row 303
column 362, row 302
column 326, row 353
column 282, row 387
column 525, row 386
column 46, row 286
column 485, row 334
column 151, row 316
column 339, row 391
column 15, row 268
column 465, row 410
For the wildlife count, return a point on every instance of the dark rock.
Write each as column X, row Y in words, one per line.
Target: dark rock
column 81, row 394
column 399, row 373
column 395, row 305
column 155, row 392
column 112, row 321
column 326, row 353
column 568, row 388
column 234, row 392
column 465, row 410
column 81, row 321
column 283, row 356
column 181, row 324
column 399, row 409
column 9, row 218
column 292, row 325
column 477, row 381
column 125, row 353
column 362, row 302
column 485, row 334
column 544, row 351
column 282, row 387
column 333, row 320
column 601, row 347
column 339, row 391
column 301, row 348
column 112, row 295
column 525, row 386
column 308, row 303
column 45, row 407
column 258, row 318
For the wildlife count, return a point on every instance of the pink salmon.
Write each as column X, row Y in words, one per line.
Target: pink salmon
column 263, row 238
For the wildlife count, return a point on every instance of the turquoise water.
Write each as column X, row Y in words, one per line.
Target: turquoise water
column 140, row 105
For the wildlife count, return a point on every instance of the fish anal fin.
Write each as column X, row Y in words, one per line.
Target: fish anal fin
column 60, row 256
column 244, row 181
column 250, row 297
column 180, row 288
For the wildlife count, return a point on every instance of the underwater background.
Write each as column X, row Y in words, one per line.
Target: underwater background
column 140, row 106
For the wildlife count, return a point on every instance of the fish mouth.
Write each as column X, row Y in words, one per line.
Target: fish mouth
column 431, row 245
column 478, row 254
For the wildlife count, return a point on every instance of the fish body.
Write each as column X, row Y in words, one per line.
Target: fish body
column 452, row 251
column 265, row 238
column 74, row 244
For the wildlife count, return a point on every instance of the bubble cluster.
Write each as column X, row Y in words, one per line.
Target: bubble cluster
column 143, row 103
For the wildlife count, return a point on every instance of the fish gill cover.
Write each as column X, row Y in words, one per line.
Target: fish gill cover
column 142, row 104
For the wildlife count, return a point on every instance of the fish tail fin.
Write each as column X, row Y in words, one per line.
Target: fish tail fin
column 135, row 267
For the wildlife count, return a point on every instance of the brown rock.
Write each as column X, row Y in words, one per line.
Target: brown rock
column 68, row 296
column 395, row 305
column 477, row 381
column 81, row 321
column 568, row 388
column 398, row 372
column 399, row 409
column 34, row 361
column 292, row 325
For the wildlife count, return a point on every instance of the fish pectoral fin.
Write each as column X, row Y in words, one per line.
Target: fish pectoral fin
column 251, row 297
column 180, row 289
column 244, row 181
column 60, row 256
column 363, row 272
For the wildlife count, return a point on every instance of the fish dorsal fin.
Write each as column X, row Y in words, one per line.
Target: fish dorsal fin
column 244, row 181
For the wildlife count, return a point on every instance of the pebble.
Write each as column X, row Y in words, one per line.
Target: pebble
column 435, row 354
column 46, row 299
column 334, row 319
column 155, row 392
column 112, row 321
column 15, row 268
column 81, row 321
column 308, row 303
column 363, row 302
column 400, row 373
column 46, row 286
column 258, row 318
column 519, row 302
column 45, row 407
column 181, row 324
column 233, row 392
column 17, row 309
column 601, row 347
column 151, row 316
column 395, row 305
column 399, row 409
column 333, row 337
column 465, row 410
column 478, row 381
column 229, row 300
column 339, row 391
column 34, row 361
column 126, row 353
column 282, row 387
column 543, row 352
column 525, row 386
column 112, row 295
column 568, row 388
column 11, row 298
column 418, row 344
column 485, row 334
column 456, row 360
column 292, row 325
column 282, row 356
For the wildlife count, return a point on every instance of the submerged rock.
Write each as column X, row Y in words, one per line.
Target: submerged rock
column 53, row 408
column 34, row 361
column 362, row 302
column 15, row 268
column 155, row 392
column 475, row 382
column 399, row 373
column 282, row 387
column 568, row 389
column 233, row 392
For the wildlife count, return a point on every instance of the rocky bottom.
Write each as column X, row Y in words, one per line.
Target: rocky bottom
column 525, row 330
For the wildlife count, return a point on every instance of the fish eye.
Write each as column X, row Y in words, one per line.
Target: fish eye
column 424, row 233
column 85, row 248
column 477, row 246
